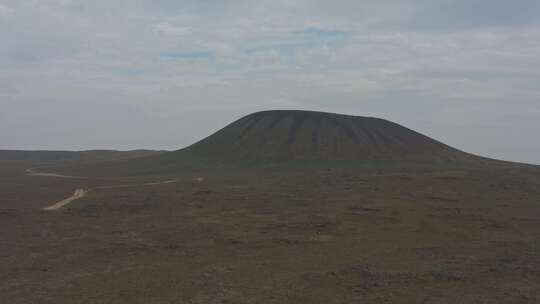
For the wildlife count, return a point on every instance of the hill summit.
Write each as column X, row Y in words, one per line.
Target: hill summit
column 288, row 135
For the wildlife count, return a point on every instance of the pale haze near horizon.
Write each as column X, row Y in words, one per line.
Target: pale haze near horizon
column 163, row 74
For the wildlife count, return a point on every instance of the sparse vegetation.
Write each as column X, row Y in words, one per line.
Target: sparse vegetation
column 293, row 231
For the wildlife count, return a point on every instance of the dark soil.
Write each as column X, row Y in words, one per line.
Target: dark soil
column 276, row 235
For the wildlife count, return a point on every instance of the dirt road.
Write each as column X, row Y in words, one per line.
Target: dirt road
column 138, row 185
column 34, row 172
column 79, row 193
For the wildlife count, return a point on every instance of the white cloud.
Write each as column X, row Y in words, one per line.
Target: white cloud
column 168, row 58
column 168, row 29
column 4, row 10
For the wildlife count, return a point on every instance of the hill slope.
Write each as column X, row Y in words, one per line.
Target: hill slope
column 271, row 136
column 294, row 138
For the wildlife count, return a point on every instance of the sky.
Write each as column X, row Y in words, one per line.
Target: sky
column 162, row 74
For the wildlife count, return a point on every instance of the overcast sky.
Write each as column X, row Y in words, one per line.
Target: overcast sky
column 162, row 74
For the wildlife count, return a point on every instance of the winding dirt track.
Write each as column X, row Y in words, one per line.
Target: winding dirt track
column 80, row 193
column 33, row 172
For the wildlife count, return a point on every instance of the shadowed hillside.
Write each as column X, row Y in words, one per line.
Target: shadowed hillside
column 295, row 138
column 304, row 135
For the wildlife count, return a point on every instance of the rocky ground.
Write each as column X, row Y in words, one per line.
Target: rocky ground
column 394, row 235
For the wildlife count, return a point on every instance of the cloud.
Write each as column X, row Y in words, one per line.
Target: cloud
column 458, row 15
column 422, row 63
column 4, row 10
column 168, row 29
column 188, row 55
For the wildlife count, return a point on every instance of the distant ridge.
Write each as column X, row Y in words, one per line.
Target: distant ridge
column 88, row 156
column 287, row 135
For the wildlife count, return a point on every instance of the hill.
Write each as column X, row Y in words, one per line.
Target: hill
column 271, row 136
column 284, row 138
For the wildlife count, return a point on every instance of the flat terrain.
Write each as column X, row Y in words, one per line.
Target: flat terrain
column 325, row 235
